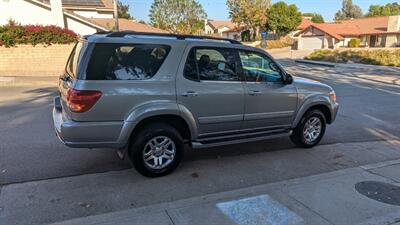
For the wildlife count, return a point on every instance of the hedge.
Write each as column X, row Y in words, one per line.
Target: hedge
column 13, row 33
column 374, row 57
column 354, row 43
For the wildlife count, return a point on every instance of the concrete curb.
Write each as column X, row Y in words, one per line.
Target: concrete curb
column 167, row 208
column 327, row 64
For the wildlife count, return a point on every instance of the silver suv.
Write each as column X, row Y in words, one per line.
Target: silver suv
column 147, row 95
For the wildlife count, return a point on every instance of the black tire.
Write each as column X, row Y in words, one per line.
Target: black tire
column 141, row 140
column 298, row 137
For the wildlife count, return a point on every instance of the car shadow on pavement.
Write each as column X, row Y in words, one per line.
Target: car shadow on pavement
column 29, row 148
column 239, row 149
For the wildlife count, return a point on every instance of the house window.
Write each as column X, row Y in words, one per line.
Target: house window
column 398, row 40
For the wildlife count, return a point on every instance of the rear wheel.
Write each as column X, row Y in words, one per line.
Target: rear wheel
column 310, row 130
column 156, row 150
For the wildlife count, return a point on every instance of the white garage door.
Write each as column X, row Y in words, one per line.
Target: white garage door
column 310, row 43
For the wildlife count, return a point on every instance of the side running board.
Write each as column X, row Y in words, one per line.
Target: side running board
column 236, row 139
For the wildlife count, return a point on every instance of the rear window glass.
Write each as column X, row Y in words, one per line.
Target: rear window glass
column 72, row 64
column 125, row 61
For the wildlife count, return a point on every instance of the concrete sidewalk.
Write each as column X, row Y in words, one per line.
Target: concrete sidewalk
column 330, row 198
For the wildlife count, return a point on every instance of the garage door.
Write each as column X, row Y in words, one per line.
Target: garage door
column 310, row 43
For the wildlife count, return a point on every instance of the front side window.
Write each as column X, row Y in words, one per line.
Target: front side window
column 211, row 64
column 125, row 61
column 259, row 68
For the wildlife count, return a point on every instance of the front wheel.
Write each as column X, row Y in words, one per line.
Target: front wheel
column 156, row 150
column 310, row 130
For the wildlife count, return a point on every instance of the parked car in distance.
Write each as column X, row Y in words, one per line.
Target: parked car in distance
column 147, row 95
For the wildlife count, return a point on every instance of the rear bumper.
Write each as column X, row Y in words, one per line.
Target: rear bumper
column 89, row 134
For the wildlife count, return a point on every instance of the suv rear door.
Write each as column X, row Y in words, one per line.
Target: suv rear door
column 210, row 87
column 269, row 102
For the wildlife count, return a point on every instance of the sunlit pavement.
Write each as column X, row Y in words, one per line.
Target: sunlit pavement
column 368, row 194
column 45, row 182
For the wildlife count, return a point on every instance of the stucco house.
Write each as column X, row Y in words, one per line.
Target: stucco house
column 224, row 28
column 217, row 26
column 383, row 32
column 81, row 16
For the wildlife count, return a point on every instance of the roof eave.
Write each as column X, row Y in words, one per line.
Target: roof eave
column 87, row 22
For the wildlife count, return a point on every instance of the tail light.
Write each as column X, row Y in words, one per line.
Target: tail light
column 81, row 101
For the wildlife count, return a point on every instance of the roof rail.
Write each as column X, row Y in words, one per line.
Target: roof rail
column 177, row 36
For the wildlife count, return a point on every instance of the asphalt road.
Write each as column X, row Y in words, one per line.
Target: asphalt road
column 29, row 149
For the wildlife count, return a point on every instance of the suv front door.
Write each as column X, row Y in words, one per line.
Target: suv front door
column 209, row 86
column 269, row 103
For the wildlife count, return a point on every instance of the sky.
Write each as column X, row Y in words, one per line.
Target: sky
column 216, row 9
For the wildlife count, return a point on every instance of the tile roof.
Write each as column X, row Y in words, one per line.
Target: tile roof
column 125, row 24
column 304, row 23
column 235, row 29
column 354, row 27
column 221, row 23
column 99, row 4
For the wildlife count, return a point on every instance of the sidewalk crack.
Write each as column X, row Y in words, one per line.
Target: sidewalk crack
column 170, row 218
column 305, row 206
column 380, row 175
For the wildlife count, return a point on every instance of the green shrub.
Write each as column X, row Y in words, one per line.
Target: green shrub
column 277, row 44
column 245, row 36
column 271, row 44
column 354, row 43
column 327, row 55
column 12, row 34
column 374, row 57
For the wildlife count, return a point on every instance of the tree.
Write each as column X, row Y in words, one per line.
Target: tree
column 315, row 17
column 123, row 11
column 252, row 13
column 283, row 18
column 390, row 9
column 177, row 16
column 348, row 11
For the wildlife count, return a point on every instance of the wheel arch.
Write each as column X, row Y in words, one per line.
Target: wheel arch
column 173, row 120
column 322, row 105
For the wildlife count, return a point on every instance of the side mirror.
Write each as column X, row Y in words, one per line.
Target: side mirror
column 274, row 67
column 288, row 79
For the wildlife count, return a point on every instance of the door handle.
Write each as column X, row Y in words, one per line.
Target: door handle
column 254, row 93
column 189, row 94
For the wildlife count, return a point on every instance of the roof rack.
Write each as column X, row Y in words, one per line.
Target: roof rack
column 177, row 36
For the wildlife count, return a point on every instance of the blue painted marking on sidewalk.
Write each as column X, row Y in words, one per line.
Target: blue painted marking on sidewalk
column 259, row 210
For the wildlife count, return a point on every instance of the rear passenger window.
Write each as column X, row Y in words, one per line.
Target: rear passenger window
column 191, row 71
column 212, row 64
column 125, row 61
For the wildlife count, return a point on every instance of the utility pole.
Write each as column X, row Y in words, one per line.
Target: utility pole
column 116, row 26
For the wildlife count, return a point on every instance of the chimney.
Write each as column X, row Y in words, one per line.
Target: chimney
column 57, row 13
column 393, row 24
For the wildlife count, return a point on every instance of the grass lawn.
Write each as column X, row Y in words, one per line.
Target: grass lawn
column 374, row 57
